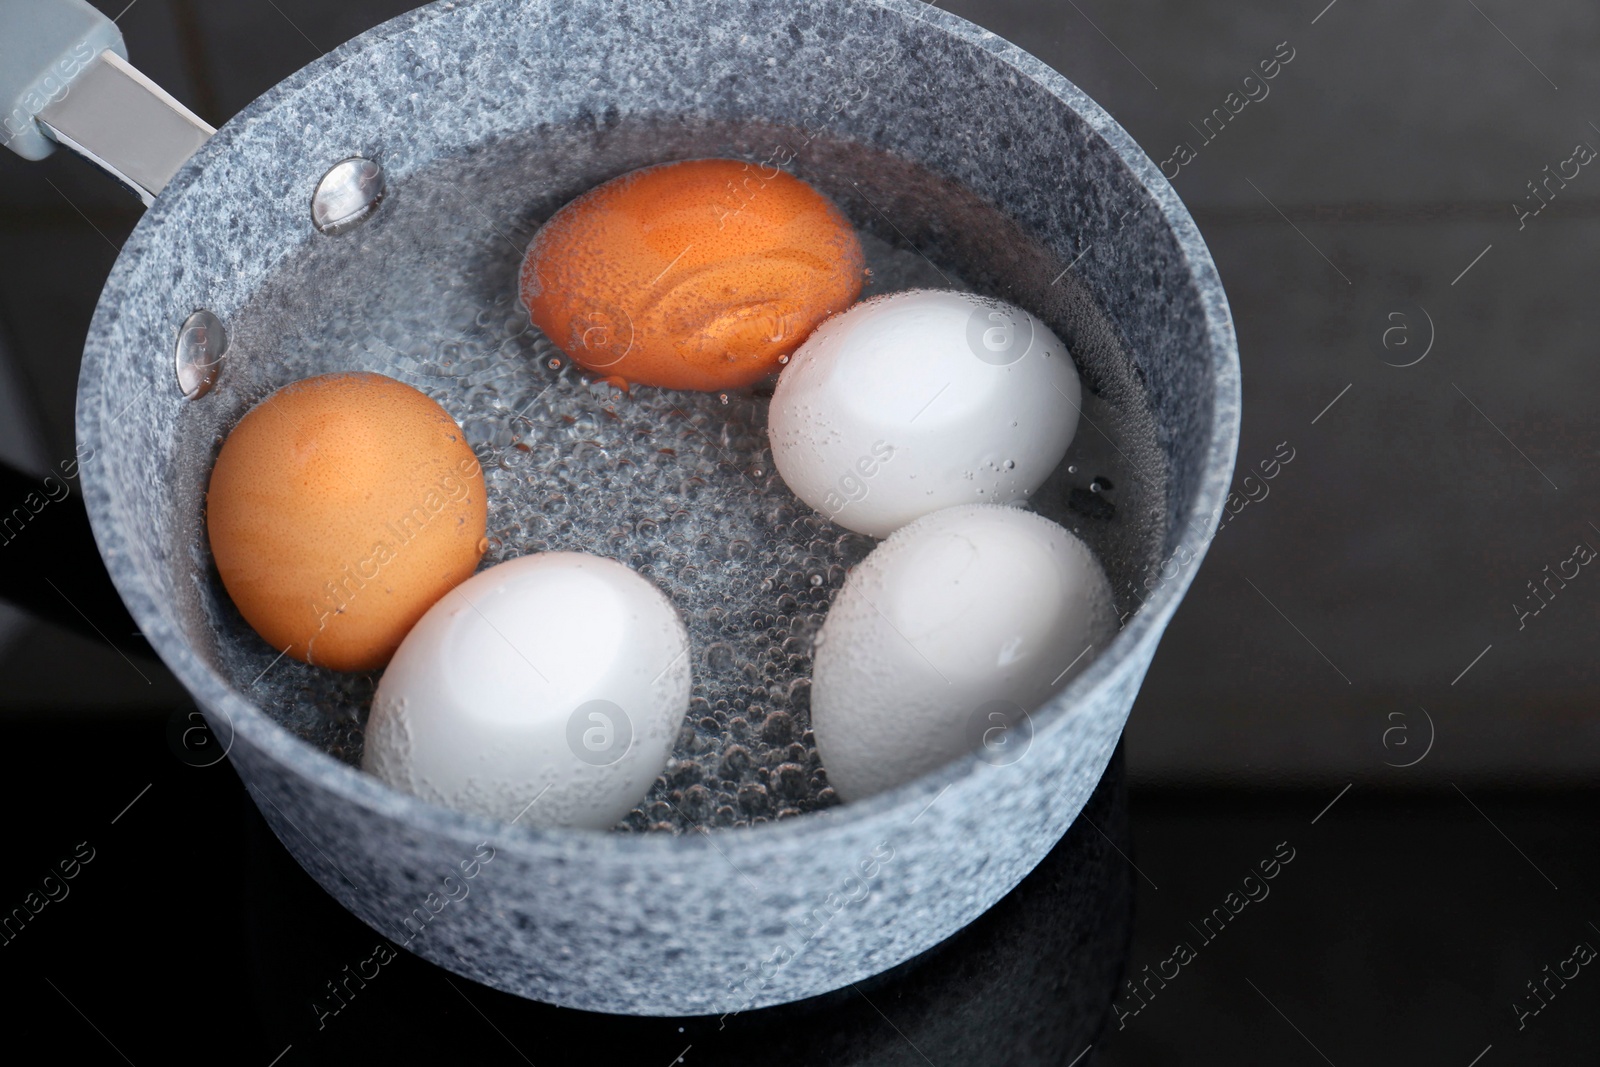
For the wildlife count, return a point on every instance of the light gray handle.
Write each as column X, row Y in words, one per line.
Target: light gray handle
column 65, row 78
column 44, row 46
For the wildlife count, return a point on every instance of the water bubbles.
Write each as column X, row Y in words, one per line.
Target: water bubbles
column 736, row 762
column 678, row 485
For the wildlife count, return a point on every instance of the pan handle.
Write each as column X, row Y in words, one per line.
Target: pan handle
column 65, row 78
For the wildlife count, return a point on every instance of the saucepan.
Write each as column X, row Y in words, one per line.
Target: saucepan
column 370, row 213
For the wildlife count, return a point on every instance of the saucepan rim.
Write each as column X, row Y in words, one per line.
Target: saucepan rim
column 1127, row 652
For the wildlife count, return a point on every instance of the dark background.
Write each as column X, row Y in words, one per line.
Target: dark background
column 1359, row 616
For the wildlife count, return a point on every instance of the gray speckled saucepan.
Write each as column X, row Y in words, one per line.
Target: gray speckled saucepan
column 558, row 96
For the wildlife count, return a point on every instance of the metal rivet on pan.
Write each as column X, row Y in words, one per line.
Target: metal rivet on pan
column 201, row 344
column 347, row 195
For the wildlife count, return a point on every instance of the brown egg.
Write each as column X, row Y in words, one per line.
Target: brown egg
column 341, row 508
column 702, row 274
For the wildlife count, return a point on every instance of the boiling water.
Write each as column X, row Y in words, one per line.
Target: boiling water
column 678, row 486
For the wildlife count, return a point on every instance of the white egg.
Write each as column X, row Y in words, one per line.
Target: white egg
column 921, row 400
column 945, row 639
column 548, row 690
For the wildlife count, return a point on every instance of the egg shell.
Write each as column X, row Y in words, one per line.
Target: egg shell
column 340, row 509
column 921, row 400
column 548, row 690
column 698, row 274
column 946, row 638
